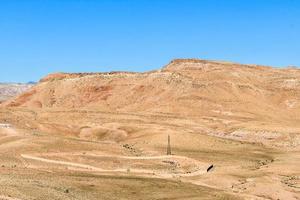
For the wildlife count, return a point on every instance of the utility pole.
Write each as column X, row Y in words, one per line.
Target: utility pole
column 169, row 146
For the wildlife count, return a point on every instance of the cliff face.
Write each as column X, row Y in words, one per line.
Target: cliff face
column 184, row 86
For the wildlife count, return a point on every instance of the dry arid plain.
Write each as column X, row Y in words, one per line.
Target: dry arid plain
column 234, row 134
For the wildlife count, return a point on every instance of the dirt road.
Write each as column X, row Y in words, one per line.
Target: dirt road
column 138, row 171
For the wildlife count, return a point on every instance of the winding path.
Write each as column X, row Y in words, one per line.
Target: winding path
column 97, row 169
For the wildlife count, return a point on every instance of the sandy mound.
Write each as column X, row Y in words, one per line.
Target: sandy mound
column 102, row 133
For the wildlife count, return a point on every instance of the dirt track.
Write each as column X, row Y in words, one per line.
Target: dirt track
column 7, row 198
column 138, row 171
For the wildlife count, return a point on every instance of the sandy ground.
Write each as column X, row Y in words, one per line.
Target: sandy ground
column 56, row 162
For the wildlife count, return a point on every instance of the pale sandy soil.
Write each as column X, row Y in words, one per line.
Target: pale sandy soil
column 241, row 169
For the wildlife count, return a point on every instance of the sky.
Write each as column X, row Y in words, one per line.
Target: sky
column 38, row 37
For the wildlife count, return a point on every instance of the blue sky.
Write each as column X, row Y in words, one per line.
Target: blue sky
column 38, row 37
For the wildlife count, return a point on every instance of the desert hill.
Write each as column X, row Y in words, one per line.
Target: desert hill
column 88, row 135
column 244, row 102
column 185, row 87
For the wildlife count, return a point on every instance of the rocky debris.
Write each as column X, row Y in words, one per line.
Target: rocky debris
column 130, row 148
column 242, row 185
column 263, row 163
column 292, row 181
column 172, row 163
column 62, row 76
